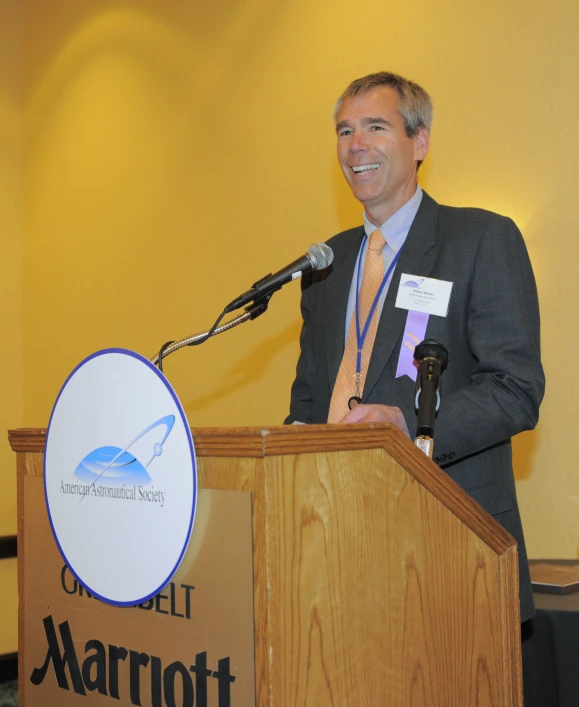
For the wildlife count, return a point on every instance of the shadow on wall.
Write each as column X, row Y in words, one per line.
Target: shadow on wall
column 248, row 370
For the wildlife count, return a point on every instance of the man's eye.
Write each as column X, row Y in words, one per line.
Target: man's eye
column 376, row 127
column 342, row 133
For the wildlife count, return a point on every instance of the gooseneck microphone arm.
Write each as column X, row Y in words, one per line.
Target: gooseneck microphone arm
column 318, row 257
column 249, row 314
column 432, row 359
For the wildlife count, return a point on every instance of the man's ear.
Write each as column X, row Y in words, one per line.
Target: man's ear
column 421, row 144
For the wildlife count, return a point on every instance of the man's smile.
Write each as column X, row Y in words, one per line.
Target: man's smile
column 364, row 168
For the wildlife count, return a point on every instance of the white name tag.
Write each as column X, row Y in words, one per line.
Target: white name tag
column 424, row 294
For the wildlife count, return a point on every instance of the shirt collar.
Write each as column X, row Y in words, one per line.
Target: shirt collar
column 396, row 228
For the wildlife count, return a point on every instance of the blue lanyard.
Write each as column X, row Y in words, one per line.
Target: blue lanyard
column 361, row 337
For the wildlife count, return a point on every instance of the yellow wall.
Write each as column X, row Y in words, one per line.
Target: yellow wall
column 9, row 606
column 10, row 298
column 10, row 258
column 176, row 151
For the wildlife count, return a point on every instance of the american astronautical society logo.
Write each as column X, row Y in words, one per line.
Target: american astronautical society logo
column 413, row 283
column 120, row 477
column 111, row 472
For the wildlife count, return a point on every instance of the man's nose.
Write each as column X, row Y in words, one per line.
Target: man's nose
column 359, row 142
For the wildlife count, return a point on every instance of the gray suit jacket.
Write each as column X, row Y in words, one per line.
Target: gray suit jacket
column 494, row 382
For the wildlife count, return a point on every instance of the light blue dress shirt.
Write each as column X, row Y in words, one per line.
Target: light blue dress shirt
column 395, row 231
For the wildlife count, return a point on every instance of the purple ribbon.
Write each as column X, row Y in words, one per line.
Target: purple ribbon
column 416, row 323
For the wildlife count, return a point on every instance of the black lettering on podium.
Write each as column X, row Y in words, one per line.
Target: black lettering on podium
column 188, row 589
column 156, row 688
column 59, row 661
column 174, row 611
column 116, row 653
column 136, row 660
column 158, row 603
column 224, row 680
column 169, row 685
column 63, row 582
column 201, row 675
column 99, row 661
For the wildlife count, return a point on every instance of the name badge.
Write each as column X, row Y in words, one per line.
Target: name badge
column 424, row 294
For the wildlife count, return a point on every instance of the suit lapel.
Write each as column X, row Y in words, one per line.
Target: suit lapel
column 335, row 304
column 416, row 258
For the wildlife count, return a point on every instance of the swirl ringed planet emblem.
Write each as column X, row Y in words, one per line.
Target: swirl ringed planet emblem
column 118, row 466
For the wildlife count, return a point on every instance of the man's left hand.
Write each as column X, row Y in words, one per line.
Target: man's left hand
column 377, row 413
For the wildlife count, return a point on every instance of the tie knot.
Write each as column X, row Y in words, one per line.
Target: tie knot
column 377, row 241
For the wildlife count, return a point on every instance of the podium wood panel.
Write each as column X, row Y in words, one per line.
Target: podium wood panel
column 377, row 580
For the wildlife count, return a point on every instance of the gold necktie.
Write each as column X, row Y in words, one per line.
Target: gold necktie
column 345, row 386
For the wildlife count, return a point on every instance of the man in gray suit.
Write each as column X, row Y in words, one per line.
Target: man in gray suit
column 494, row 383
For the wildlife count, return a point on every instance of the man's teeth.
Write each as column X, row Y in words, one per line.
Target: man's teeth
column 365, row 168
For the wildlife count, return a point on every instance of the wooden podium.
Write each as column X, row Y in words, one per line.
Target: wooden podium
column 376, row 580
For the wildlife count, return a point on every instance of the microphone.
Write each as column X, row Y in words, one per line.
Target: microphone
column 432, row 359
column 318, row 257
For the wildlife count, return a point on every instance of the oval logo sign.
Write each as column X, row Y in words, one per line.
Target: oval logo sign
column 120, row 477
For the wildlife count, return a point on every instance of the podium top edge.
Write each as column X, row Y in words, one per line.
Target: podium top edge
column 256, row 441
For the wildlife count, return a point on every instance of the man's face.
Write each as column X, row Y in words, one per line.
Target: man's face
column 377, row 158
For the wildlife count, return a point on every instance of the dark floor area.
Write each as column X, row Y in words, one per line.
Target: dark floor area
column 9, row 694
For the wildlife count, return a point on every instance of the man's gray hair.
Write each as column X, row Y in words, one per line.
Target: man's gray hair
column 415, row 105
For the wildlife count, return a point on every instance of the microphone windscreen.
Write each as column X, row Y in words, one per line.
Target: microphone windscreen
column 431, row 348
column 321, row 256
